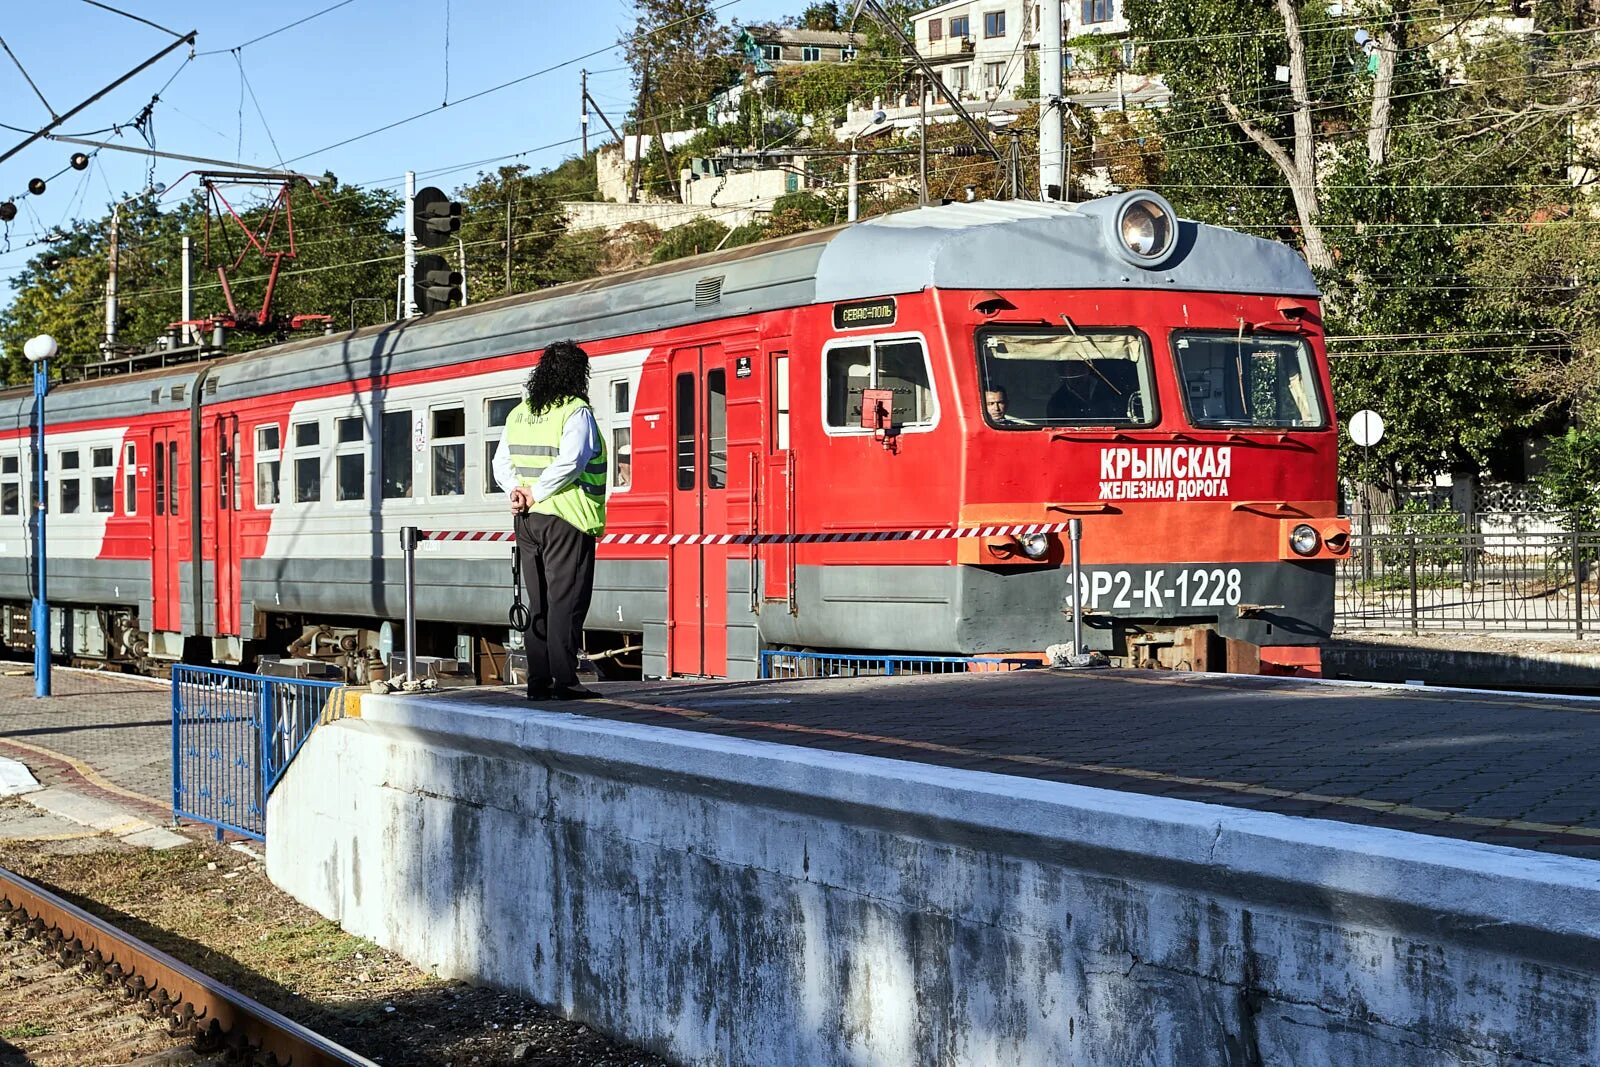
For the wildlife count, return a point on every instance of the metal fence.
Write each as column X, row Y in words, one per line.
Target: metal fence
column 1469, row 580
column 780, row 664
column 233, row 736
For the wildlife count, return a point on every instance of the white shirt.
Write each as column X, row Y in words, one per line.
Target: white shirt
column 580, row 443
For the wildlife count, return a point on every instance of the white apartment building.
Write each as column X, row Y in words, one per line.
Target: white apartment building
column 980, row 47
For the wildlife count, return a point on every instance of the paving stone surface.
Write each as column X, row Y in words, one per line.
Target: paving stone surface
column 118, row 725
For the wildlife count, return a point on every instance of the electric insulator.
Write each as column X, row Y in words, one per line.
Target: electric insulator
column 8, row 211
column 80, row 161
column 36, row 186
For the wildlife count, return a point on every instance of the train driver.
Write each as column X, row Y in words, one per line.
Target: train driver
column 552, row 464
column 994, row 402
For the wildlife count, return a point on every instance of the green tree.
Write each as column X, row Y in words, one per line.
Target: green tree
column 1570, row 480
column 512, row 223
column 690, row 239
column 681, row 56
column 821, row 15
column 1377, row 162
column 346, row 250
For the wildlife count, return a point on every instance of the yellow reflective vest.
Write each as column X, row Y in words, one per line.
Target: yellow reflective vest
column 534, row 440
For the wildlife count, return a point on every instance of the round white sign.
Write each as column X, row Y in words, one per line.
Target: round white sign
column 1366, row 427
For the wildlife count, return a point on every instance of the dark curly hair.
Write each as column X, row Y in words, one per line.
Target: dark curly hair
column 562, row 371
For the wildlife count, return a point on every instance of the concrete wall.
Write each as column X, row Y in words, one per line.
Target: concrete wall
column 586, row 215
column 729, row 902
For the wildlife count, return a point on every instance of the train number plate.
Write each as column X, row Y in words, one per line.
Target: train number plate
column 1159, row 590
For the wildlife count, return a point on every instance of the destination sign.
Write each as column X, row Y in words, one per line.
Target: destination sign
column 861, row 313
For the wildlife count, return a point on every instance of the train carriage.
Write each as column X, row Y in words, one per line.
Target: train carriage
column 991, row 367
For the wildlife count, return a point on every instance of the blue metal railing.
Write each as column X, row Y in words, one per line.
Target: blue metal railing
column 780, row 664
column 233, row 736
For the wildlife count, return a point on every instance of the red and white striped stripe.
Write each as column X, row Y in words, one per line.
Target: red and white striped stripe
column 931, row 534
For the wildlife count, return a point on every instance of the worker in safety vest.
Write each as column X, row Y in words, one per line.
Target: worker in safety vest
column 552, row 463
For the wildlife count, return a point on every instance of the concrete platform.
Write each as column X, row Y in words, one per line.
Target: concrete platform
column 1495, row 661
column 647, row 864
column 1504, row 769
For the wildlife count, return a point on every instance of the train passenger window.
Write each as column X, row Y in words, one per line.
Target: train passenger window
column 70, row 495
column 130, row 470
column 224, row 474
column 621, row 434
column 102, row 476
column 396, row 455
column 307, row 463
column 161, row 478
column 268, row 465
column 350, row 463
column 10, row 492
column 685, row 430
column 716, row 429
column 1065, row 377
column 172, row 483
column 621, row 457
column 496, row 412
column 238, row 491
column 1255, row 381
column 449, row 451
column 896, row 365
column 780, row 402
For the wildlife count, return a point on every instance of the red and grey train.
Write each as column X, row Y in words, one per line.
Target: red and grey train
column 1162, row 380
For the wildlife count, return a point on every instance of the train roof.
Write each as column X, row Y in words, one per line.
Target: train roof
column 982, row 245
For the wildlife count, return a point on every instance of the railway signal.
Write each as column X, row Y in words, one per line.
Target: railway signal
column 437, row 286
column 435, row 217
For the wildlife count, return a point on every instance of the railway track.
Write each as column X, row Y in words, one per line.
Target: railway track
column 77, row 992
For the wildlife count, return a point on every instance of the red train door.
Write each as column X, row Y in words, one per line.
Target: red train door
column 167, row 532
column 698, row 574
column 225, row 565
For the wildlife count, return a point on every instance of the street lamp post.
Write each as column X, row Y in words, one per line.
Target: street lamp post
column 39, row 350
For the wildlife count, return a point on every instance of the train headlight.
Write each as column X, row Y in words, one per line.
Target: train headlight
column 1035, row 545
column 1143, row 228
column 1304, row 540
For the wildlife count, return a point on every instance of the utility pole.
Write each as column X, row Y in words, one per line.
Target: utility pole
column 638, row 133
column 188, row 289
column 410, row 303
column 583, row 103
column 111, row 285
column 922, row 150
column 1052, row 136
column 851, row 211
column 508, row 240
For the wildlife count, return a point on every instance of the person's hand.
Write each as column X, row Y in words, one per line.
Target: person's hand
column 521, row 500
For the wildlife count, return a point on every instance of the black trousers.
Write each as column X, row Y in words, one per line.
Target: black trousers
column 558, row 571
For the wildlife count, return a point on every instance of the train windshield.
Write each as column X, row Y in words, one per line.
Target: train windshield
column 1060, row 377
column 1256, row 381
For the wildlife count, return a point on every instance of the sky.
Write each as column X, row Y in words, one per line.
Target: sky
column 292, row 97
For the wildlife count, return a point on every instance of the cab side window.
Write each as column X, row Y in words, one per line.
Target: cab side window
column 898, row 365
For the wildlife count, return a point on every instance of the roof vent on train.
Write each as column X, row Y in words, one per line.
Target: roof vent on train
column 177, row 392
column 1139, row 226
column 708, row 290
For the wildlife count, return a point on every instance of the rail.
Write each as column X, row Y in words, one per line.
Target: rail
column 776, row 663
column 233, row 736
column 186, row 999
column 1529, row 582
